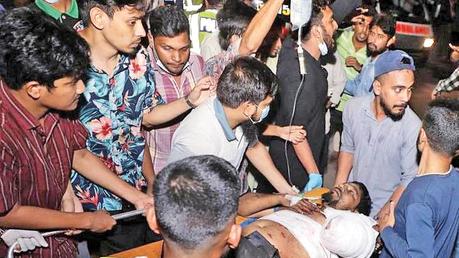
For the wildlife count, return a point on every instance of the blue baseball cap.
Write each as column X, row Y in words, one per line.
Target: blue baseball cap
column 393, row 60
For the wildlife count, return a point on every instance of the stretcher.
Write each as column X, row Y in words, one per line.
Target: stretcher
column 153, row 250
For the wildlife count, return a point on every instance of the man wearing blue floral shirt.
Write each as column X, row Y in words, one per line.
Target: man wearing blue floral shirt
column 121, row 97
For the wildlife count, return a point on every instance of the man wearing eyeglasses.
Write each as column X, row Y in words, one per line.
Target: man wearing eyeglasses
column 380, row 133
column 380, row 38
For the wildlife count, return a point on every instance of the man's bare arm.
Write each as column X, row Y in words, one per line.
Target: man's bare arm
column 260, row 158
column 345, row 160
column 251, row 203
column 88, row 165
column 258, row 27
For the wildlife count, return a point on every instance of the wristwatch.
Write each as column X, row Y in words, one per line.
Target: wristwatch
column 188, row 102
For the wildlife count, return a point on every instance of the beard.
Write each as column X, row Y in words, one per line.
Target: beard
column 375, row 51
column 332, row 204
column 328, row 39
column 329, row 42
column 388, row 112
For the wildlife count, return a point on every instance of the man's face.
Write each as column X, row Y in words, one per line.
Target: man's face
column 173, row 52
column 394, row 91
column 362, row 28
column 377, row 41
column 124, row 30
column 64, row 96
column 345, row 197
column 260, row 107
column 275, row 48
column 329, row 27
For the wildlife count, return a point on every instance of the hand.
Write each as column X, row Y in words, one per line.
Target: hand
column 351, row 61
column 144, row 201
column 305, row 207
column 100, row 221
column 294, row 133
column 71, row 203
column 202, row 91
column 387, row 219
column 27, row 239
column 284, row 199
column 454, row 57
column 315, row 181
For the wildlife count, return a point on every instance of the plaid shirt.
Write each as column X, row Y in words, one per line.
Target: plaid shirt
column 159, row 139
column 450, row 83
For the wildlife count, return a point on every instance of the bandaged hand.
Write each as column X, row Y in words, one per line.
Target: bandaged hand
column 27, row 240
column 315, row 181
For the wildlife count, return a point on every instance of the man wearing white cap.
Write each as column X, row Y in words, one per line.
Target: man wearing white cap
column 380, row 133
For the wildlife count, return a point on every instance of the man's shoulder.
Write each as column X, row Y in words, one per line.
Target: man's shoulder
column 358, row 103
column 9, row 131
column 345, row 34
column 432, row 189
column 411, row 118
column 200, row 120
column 197, row 62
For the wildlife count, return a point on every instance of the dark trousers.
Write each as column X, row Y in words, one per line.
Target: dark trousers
column 336, row 122
column 127, row 234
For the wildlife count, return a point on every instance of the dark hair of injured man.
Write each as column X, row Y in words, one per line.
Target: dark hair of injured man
column 352, row 196
column 196, row 200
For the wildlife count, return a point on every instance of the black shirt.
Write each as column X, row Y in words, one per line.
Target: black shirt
column 310, row 109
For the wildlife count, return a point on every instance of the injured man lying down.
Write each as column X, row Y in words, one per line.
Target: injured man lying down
column 341, row 228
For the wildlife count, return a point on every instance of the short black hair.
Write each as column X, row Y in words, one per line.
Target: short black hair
column 233, row 19
column 33, row 47
column 168, row 21
column 318, row 6
column 441, row 124
column 364, row 206
column 195, row 199
column 109, row 7
column 386, row 22
column 246, row 79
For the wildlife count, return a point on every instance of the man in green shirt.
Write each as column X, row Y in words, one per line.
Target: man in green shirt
column 65, row 12
column 351, row 45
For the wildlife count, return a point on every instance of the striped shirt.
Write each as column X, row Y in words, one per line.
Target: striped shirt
column 35, row 163
column 159, row 139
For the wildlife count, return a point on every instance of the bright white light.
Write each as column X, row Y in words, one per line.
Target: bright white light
column 428, row 42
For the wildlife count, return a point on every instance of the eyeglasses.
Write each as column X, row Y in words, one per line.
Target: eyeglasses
column 379, row 36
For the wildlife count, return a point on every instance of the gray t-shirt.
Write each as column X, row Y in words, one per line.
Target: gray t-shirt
column 384, row 152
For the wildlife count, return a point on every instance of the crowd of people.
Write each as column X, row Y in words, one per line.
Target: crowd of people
column 110, row 106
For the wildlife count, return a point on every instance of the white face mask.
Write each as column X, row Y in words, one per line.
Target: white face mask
column 51, row 1
column 264, row 114
column 322, row 46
